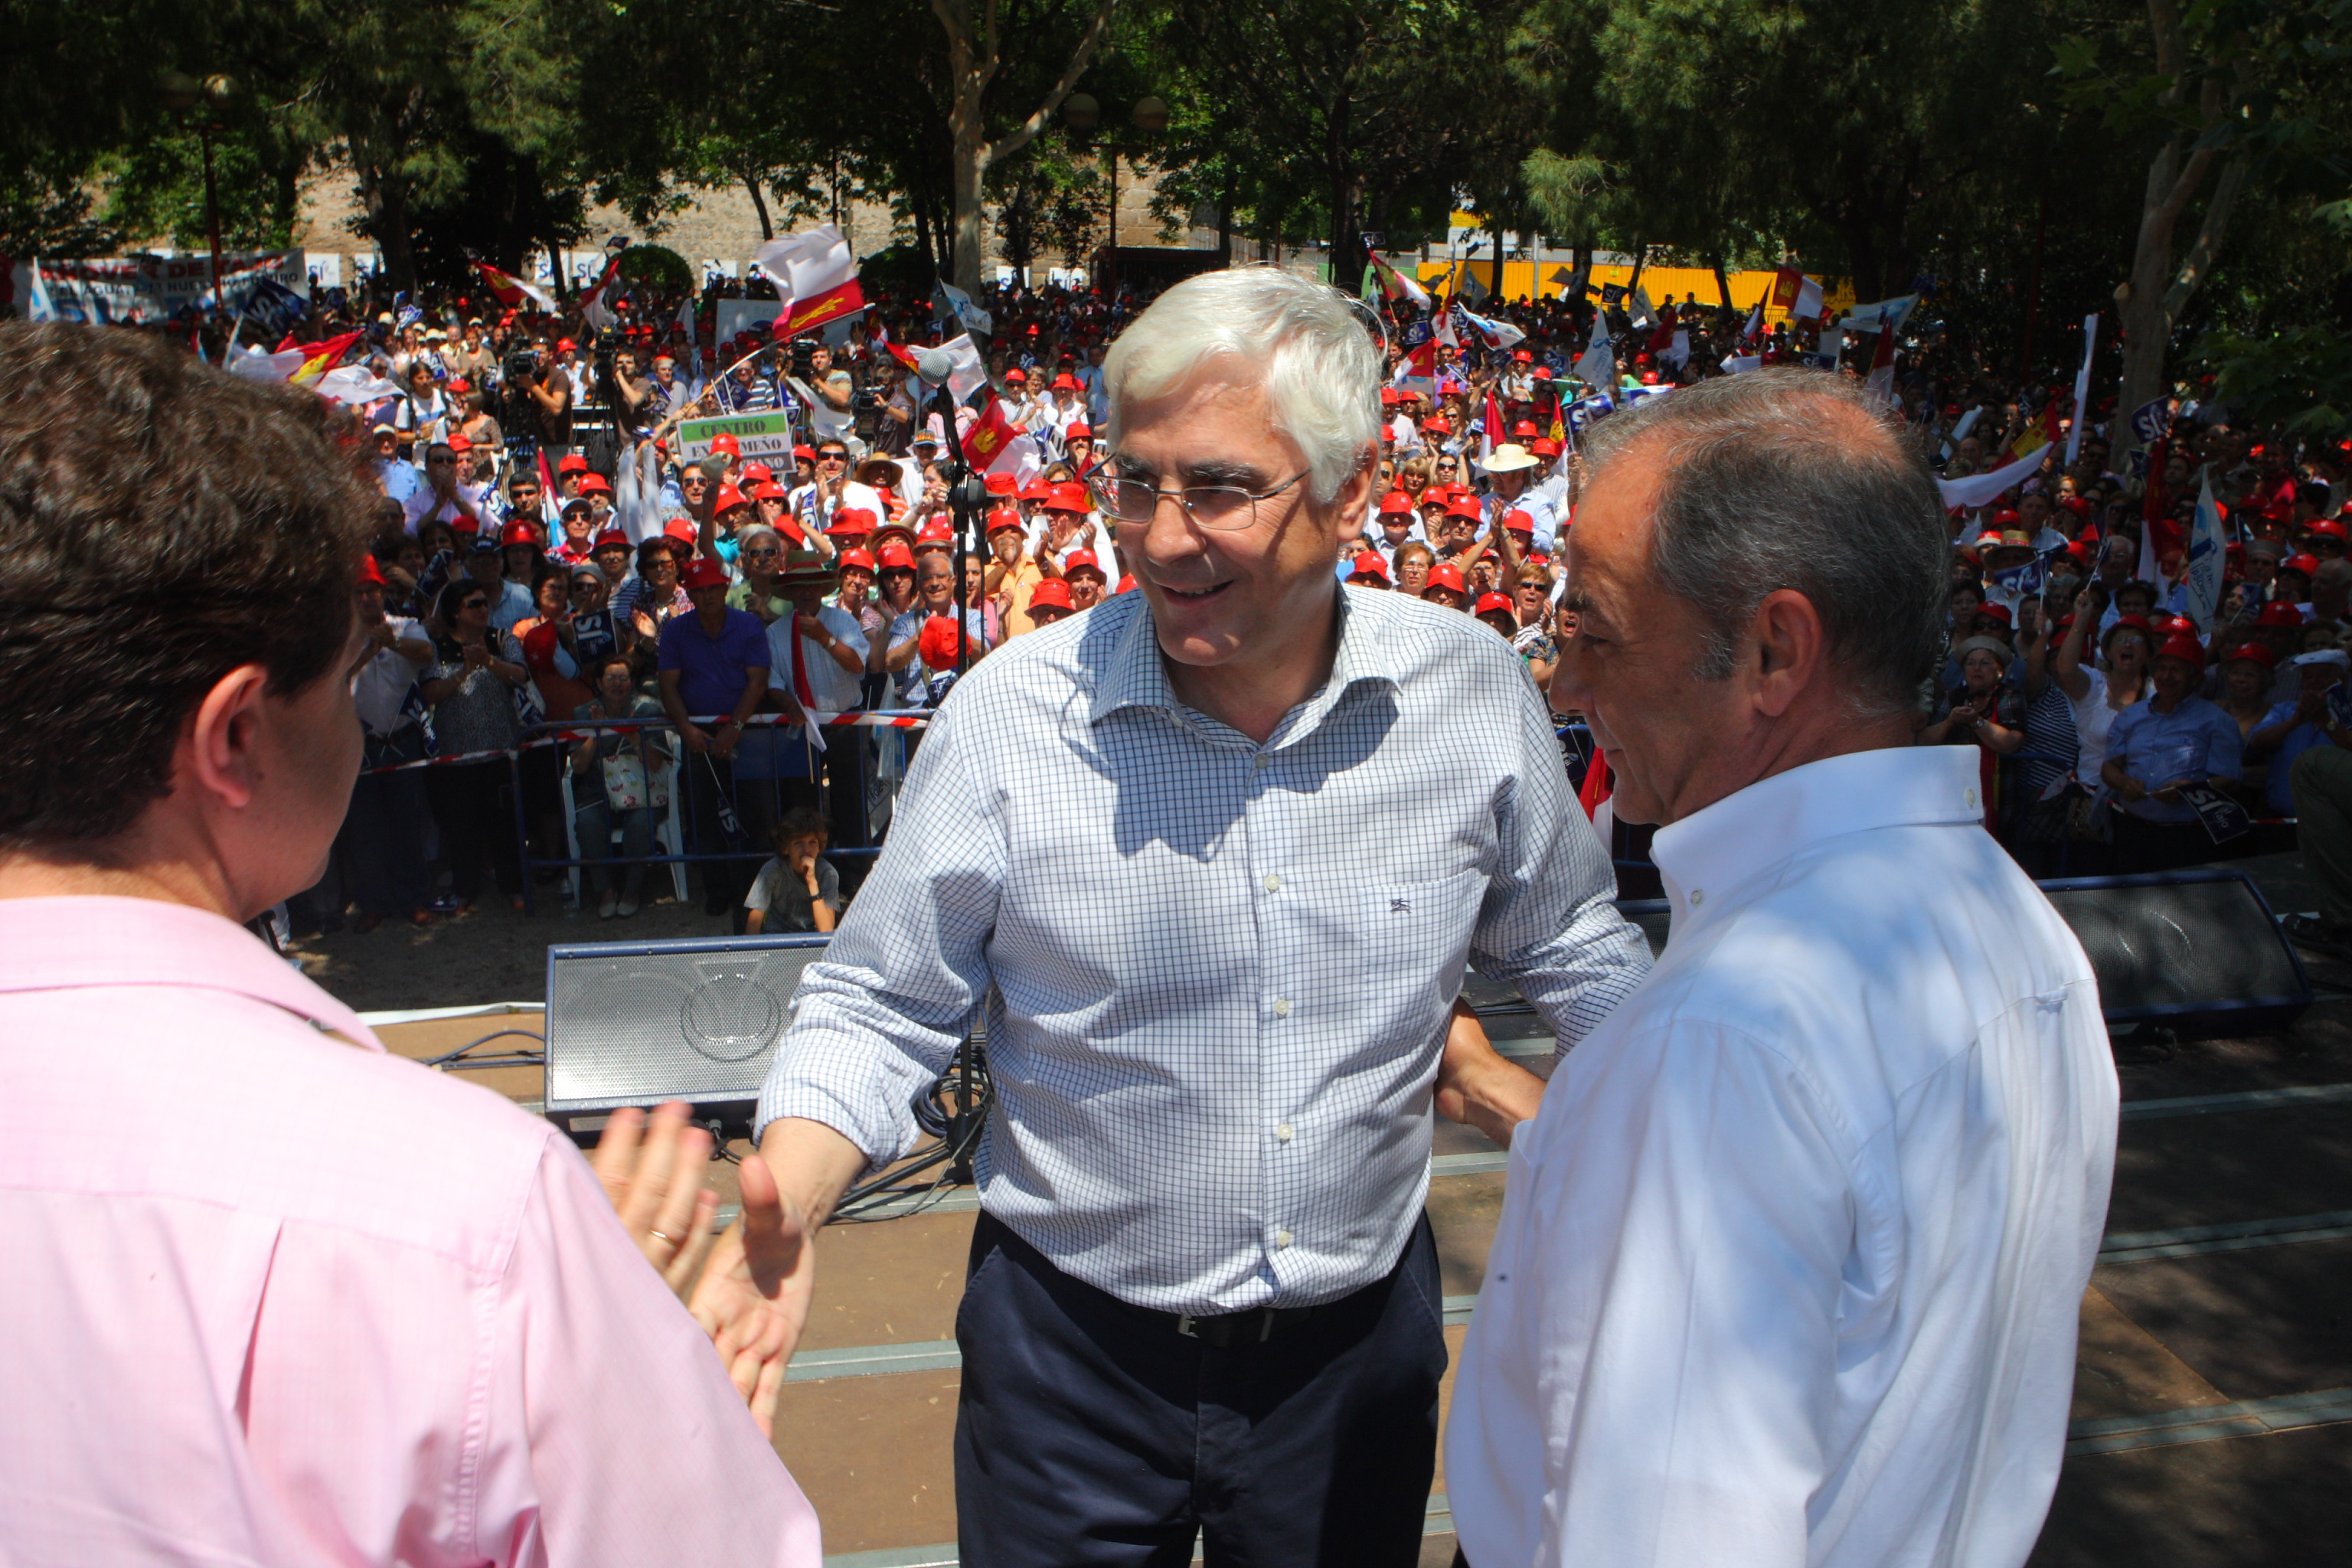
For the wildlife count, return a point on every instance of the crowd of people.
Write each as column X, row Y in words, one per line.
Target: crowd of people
column 551, row 549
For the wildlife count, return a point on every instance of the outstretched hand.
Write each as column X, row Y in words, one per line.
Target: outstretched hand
column 655, row 1183
column 753, row 1297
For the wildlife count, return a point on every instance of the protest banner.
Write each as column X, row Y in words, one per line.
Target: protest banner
column 768, row 434
column 136, row 290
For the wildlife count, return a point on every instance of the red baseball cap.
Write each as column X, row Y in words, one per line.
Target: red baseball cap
column 852, row 520
column 1052, row 591
column 767, row 489
column 2128, row 623
column 1002, row 518
column 2279, row 613
column 893, row 557
column 519, row 533
column 370, row 572
column 1436, row 426
column 2183, row 647
column 1524, row 428
column 1996, row 612
column 1369, row 564
column 758, row 473
column 572, row 463
column 1464, row 505
column 458, row 442
column 608, row 539
column 730, row 498
column 938, row 643
column 723, row 442
column 1078, row 432
column 2327, row 528
column 1036, row 489
column 1002, row 485
column 2307, row 564
column 1490, row 603
column 1083, row 561
column 681, row 528
column 703, row 571
column 1016, row 373
column 2252, row 653
column 1445, row 574
column 860, row 558
column 595, row 485
column 1519, row 522
column 936, row 535
column 1396, row 503
column 1125, row 584
column 1069, row 497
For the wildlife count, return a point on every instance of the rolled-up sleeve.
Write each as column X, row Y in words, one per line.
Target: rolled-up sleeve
column 878, row 1019
column 1550, row 924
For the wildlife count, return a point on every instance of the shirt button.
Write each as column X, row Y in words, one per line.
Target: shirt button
column 1968, row 799
column 1283, row 1133
column 1262, row 761
column 1699, row 897
column 1281, row 1008
column 1282, row 1239
column 1273, row 882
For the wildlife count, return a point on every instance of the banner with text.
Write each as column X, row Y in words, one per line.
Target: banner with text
column 756, row 435
column 145, row 289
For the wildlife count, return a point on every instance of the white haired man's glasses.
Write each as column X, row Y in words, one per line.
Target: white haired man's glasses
column 1221, row 507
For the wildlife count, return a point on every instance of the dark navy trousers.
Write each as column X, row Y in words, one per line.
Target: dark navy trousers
column 1091, row 1433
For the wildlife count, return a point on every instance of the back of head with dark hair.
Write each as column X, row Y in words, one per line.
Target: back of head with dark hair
column 1791, row 478
column 160, row 523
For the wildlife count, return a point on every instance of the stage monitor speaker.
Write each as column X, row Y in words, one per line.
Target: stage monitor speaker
column 2195, row 951
column 641, row 1023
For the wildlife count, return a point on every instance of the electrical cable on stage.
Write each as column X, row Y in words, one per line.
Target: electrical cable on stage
column 963, row 1087
column 458, row 1061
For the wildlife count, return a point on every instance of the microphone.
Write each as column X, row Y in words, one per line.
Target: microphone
column 934, row 366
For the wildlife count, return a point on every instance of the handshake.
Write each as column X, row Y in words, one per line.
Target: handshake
column 750, row 1287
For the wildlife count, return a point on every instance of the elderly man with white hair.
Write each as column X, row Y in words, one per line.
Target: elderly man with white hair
column 1212, row 857
column 1791, row 1257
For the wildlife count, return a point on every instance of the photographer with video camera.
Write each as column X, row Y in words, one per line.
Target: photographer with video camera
column 546, row 400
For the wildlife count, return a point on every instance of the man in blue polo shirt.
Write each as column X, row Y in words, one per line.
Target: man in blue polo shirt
column 714, row 662
column 2291, row 729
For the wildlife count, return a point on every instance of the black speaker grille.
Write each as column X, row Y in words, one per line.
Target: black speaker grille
column 2179, row 945
column 632, row 1027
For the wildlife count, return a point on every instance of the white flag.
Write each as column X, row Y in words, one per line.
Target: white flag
column 1640, row 309
column 1598, row 366
column 2207, row 552
column 355, row 384
column 2083, row 388
column 1978, row 489
column 258, row 364
column 807, row 265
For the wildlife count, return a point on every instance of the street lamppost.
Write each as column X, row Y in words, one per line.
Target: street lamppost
column 184, row 94
column 1082, row 114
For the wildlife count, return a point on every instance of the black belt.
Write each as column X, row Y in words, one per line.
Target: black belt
column 1226, row 1329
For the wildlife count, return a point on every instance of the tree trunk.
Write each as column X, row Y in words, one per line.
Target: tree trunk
column 1641, row 260
column 758, row 203
column 386, row 199
column 972, row 60
column 1495, row 277
column 2158, row 291
column 1722, row 285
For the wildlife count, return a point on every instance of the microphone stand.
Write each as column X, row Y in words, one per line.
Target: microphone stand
column 968, row 499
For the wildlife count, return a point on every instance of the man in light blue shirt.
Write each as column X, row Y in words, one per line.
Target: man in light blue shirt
column 2176, row 738
column 1213, row 857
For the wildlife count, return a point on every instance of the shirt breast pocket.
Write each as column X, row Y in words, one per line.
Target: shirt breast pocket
column 1415, row 939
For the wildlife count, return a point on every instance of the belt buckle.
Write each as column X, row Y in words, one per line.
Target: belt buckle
column 1184, row 1325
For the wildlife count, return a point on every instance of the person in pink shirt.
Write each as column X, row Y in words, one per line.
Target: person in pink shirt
column 272, row 1296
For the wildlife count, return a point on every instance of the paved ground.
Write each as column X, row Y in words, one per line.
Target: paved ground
column 2213, row 1389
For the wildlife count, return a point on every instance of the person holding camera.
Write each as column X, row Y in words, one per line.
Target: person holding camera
column 551, row 400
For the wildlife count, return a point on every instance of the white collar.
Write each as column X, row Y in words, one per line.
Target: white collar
column 1706, row 858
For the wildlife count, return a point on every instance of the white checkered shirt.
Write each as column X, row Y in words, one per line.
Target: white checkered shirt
column 1217, row 975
